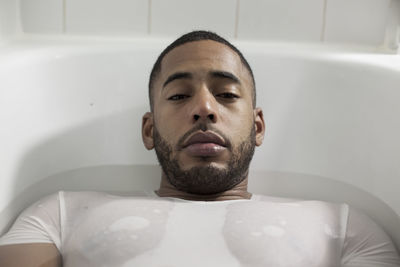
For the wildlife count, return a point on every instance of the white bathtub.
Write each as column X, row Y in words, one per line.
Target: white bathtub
column 70, row 116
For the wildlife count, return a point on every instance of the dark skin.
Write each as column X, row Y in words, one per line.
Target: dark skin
column 30, row 255
column 198, row 93
column 205, row 93
column 238, row 192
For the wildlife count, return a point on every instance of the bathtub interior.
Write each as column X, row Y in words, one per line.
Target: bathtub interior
column 71, row 116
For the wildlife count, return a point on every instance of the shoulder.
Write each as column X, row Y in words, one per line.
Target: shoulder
column 336, row 211
column 44, row 207
column 39, row 223
column 366, row 244
column 51, row 205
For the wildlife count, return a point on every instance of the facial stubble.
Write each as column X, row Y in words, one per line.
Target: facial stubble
column 206, row 179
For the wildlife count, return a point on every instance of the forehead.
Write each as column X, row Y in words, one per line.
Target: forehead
column 202, row 55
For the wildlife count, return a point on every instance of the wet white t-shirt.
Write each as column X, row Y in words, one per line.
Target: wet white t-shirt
column 144, row 230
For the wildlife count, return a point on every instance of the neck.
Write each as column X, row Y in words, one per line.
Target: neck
column 239, row 191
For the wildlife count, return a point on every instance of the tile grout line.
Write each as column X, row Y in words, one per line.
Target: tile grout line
column 64, row 22
column 323, row 28
column 149, row 17
column 237, row 19
column 18, row 16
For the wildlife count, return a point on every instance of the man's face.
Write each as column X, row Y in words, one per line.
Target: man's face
column 204, row 132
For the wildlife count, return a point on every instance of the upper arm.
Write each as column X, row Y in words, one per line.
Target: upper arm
column 30, row 255
column 34, row 239
column 367, row 245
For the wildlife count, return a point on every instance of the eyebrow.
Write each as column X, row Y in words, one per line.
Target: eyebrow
column 226, row 75
column 188, row 75
column 176, row 76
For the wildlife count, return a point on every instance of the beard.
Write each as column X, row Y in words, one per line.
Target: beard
column 206, row 179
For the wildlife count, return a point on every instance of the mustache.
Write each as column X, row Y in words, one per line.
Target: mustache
column 203, row 127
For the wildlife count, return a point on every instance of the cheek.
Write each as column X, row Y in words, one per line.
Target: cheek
column 238, row 124
column 168, row 126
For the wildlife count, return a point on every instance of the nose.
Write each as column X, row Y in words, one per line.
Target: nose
column 204, row 107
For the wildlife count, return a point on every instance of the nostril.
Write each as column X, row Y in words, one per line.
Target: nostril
column 211, row 117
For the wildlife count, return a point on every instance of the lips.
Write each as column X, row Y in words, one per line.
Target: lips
column 204, row 137
column 204, row 144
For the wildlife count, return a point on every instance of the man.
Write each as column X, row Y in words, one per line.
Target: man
column 204, row 126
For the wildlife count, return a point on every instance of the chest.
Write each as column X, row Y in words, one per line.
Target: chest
column 243, row 233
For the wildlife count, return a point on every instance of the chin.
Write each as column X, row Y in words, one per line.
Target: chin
column 204, row 162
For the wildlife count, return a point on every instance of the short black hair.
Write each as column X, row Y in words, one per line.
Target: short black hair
column 193, row 37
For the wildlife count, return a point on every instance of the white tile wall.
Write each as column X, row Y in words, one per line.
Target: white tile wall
column 174, row 17
column 8, row 18
column 109, row 17
column 344, row 21
column 281, row 19
column 41, row 16
column 356, row 21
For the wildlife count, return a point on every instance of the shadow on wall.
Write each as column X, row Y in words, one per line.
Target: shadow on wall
column 105, row 140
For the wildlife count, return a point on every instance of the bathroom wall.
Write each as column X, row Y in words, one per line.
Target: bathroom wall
column 9, row 26
column 361, row 22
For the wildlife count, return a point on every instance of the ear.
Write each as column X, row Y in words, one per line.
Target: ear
column 147, row 130
column 259, row 125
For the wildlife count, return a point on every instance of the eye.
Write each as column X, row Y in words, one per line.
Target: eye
column 228, row 95
column 177, row 97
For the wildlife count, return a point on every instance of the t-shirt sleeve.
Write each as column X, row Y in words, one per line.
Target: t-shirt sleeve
column 366, row 244
column 40, row 223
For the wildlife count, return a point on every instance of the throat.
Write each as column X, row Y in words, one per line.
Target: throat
column 239, row 191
